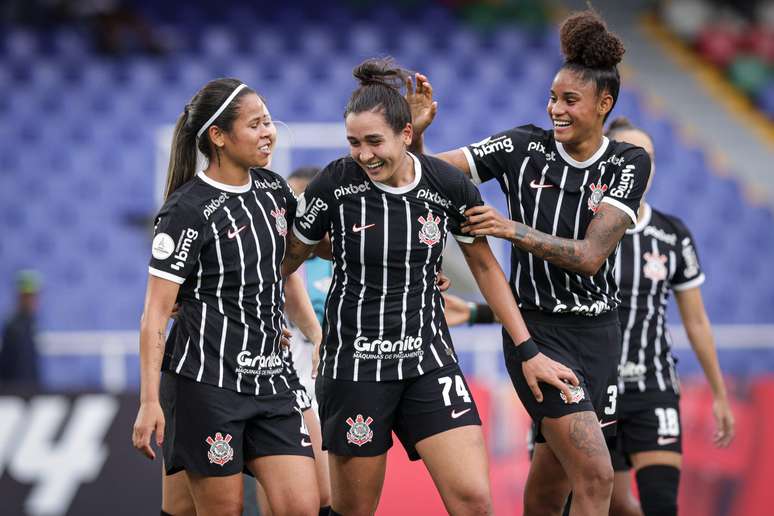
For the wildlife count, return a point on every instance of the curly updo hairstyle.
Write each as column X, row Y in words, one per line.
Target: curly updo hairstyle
column 592, row 52
column 380, row 82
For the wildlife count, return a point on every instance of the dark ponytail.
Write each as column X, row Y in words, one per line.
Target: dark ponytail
column 182, row 157
column 620, row 123
column 380, row 82
column 592, row 52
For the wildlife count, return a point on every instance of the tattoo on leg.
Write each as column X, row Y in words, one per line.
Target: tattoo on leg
column 584, row 434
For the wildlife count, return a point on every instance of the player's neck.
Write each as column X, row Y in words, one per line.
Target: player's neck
column 227, row 173
column 404, row 175
column 585, row 149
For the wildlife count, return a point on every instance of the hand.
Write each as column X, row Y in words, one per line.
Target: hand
column 443, row 281
column 487, row 221
column 724, row 423
column 457, row 310
column 316, row 358
column 150, row 418
column 540, row 368
column 175, row 311
column 287, row 335
column 420, row 101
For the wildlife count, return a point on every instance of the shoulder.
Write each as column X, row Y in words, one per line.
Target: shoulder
column 630, row 153
column 187, row 201
column 672, row 222
column 435, row 167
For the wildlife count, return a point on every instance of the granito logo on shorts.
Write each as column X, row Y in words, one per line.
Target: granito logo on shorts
column 212, row 206
column 490, row 145
column 351, row 189
column 359, row 432
column 220, row 451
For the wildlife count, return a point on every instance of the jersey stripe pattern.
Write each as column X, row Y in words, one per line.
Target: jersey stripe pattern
column 224, row 246
column 384, row 316
column 548, row 190
column 656, row 257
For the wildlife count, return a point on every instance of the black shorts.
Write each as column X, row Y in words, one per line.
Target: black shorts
column 647, row 421
column 358, row 418
column 590, row 346
column 213, row 432
column 303, row 401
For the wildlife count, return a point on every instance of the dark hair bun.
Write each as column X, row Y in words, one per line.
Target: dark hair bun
column 380, row 71
column 620, row 123
column 587, row 42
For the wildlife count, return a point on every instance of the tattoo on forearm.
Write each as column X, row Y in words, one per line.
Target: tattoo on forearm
column 585, row 434
column 562, row 252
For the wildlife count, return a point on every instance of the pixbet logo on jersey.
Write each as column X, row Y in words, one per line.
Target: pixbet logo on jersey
column 212, row 206
column 271, row 185
column 351, row 189
column 187, row 238
column 435, row 197
column 538, row 146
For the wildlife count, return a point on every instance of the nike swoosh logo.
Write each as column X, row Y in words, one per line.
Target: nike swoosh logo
column 232, row 234
column 305, row 443
column 456, row 414
column 663, row 441
column 533, row 184
column 358, row 229
column 607, row 423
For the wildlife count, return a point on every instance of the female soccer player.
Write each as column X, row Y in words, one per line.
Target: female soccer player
column 571, row 195
column 388, row 363
column 657, row 257
column 223, row 403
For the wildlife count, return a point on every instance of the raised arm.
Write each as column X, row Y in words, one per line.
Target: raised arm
column 699, row 330
column 491, row 280
column 423, row 111
column 584, row 256
column 159, row 299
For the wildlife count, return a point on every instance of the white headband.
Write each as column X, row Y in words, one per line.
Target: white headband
column 220, row 110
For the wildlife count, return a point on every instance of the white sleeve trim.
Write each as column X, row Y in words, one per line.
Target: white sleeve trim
column 472, row 165
column 464, row 238
column 166, row 276
column 695, row 282
column 621, row 206
column 303, row 238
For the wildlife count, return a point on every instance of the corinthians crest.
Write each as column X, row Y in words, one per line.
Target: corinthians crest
column 359, row 432
column 655, row 266
column 576, row 393
column 430, row 233
column 220, row 451
column 281, row 222
column 597, row 193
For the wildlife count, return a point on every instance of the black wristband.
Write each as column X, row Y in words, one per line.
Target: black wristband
column 485, row 314
column 527, row 349
column 473, row 318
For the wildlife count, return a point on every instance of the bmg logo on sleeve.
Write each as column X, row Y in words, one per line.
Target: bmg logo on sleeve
column 184, row 243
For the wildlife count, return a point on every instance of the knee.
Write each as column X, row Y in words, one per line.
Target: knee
column 299, row 506
column 595, row 481
column 474, row 500
column 222, row 507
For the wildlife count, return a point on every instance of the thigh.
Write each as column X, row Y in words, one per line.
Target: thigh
column 578, row 443
column 357, row 418
column 547, row 485
column 356, row 483
column 176, row 495
column 204, row 434
column 320, row 457
column 217, row 496
column 457, row 461
column 434, row 403
column 289, row 482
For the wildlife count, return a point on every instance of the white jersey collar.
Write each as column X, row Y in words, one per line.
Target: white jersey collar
column 223, row 186
column 582, row 164
column 398, row 190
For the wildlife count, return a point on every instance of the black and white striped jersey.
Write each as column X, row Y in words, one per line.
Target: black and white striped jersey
column 655, row 257
column 548, row 190
column 224, row 245
column 384, row 317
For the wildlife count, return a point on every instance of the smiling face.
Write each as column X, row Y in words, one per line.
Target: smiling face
column 252, row 137
column 576, row 109
column 380, row 151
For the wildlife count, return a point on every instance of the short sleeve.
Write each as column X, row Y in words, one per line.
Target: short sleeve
column 688, row 274
column 177, row 241
column 313, row 217
column 291, row 202
column 466, row 196
column 490, row 157
column 628, row 186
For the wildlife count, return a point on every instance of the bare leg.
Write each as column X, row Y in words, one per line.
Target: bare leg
column 289, row 482
column 356, row 483
column 217, row 496
column 457, row 461
column 547, row 484
column 176, row 496
column 320, row 458
column 623, row 502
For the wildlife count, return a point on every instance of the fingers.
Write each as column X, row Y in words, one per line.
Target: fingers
column 536, row 392
column 477, row 210
column 287, row 333
column 566, row 375
column 160, row 426
column 410, row 86
column 141, row 441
